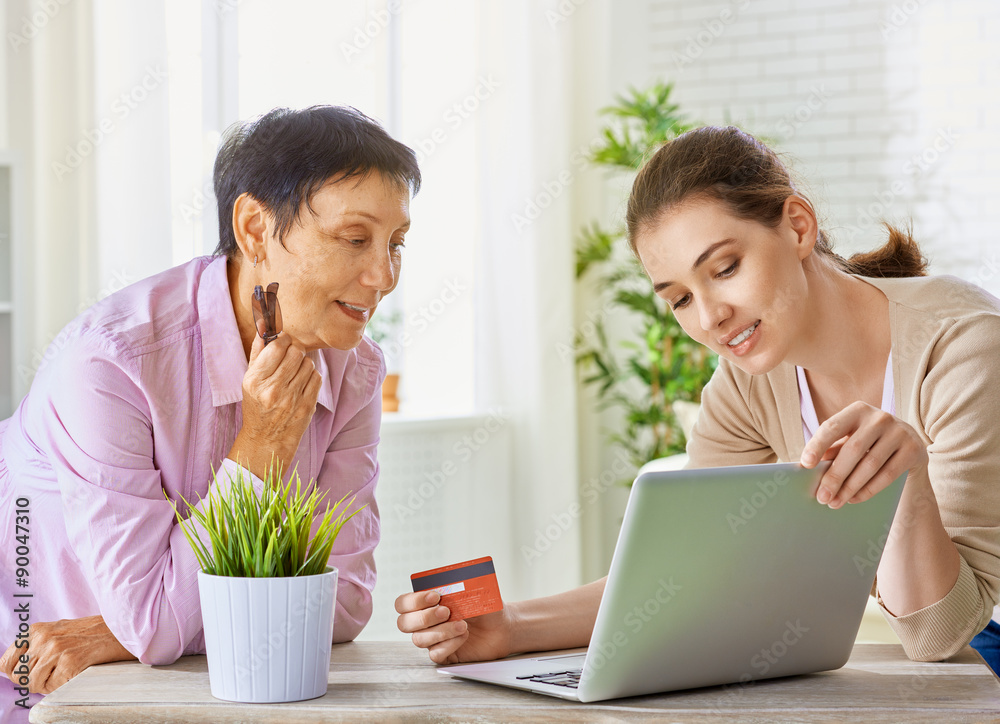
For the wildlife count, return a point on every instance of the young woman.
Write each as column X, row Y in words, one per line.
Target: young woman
column 863, row 361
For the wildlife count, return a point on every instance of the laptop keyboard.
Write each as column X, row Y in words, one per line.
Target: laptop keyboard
column 569, row 679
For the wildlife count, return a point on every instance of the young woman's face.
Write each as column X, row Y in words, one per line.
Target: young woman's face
column 736, row 286
column 339, row 260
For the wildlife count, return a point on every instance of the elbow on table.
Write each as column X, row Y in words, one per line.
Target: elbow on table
column 157, row 659
column 930, row 645
column 942, row 629
column 351, row 621
column 936, row 653
column 156, row 651
column 149, row 646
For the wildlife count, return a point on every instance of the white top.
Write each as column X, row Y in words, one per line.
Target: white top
column 810, row 423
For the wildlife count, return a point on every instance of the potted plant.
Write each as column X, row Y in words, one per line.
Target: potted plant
column 656, row 368
column 267, row 593
column 384, row 328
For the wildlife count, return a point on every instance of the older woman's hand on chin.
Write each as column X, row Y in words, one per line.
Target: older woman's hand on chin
column 280, row 390
column 482, row 638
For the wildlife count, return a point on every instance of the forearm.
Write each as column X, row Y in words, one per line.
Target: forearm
column 563, row 621
column 920, row 563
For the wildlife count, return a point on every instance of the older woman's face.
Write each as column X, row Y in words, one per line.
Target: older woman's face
column 339, row 260
column 729, row 280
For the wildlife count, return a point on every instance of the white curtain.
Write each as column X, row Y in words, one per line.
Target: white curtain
column 524, row 304
column 86, row 108
column 49, row 59
column 133, row 211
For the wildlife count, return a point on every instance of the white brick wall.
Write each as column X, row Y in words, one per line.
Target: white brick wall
column 886, row 108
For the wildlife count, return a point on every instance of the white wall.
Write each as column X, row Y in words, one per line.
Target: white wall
column 887, row 108
column 4, row 97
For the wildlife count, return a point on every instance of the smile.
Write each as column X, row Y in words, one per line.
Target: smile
column 743, row 335
column 355, row 311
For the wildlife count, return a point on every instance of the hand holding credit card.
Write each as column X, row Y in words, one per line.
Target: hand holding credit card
column 468, row 589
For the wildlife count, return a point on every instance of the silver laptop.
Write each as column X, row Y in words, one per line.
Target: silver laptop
column 720, row 576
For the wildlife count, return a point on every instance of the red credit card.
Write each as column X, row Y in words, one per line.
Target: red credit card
column 468, row 589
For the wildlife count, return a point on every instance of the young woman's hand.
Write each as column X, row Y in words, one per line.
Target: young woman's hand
column 483, row 638
column 869, row 448
column 280, row 390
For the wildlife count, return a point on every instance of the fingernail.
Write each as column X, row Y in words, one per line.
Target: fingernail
column 431, row 597
column 823, row 496
column 807, row 460
column 443, row 612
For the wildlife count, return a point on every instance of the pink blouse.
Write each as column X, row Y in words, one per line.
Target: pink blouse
column 142, row 395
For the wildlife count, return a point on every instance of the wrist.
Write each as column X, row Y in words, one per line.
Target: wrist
column 543, row 624
column 515, row 629
column 256, row 456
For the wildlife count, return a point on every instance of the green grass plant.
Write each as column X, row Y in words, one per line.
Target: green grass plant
column 265, row 534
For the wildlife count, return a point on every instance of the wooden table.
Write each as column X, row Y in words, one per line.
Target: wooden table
column 379, row 682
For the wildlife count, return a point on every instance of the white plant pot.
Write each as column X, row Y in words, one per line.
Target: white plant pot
column 268, row 639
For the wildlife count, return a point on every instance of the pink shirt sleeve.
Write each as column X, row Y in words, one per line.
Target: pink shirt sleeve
column 352, row 457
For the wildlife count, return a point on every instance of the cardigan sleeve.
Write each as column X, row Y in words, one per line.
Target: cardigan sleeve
column 958, row 412
column 725, row 432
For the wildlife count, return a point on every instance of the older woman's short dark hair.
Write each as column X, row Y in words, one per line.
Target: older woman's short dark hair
column 285, row 156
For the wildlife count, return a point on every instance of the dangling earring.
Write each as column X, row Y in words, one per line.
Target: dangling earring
column 255, row 262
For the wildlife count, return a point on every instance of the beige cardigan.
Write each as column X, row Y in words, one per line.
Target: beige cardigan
column 946, row 370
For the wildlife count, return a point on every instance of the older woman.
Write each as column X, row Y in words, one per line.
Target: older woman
column 166, row 380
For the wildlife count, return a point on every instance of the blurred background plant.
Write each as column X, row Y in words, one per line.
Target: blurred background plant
column 385, row 328
column 655, row 364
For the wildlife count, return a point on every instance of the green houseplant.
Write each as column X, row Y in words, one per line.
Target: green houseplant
column 267, row 592
column 385, row 329
column 655, row 364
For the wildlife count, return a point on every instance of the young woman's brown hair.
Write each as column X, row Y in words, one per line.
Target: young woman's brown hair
column 732, row 166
